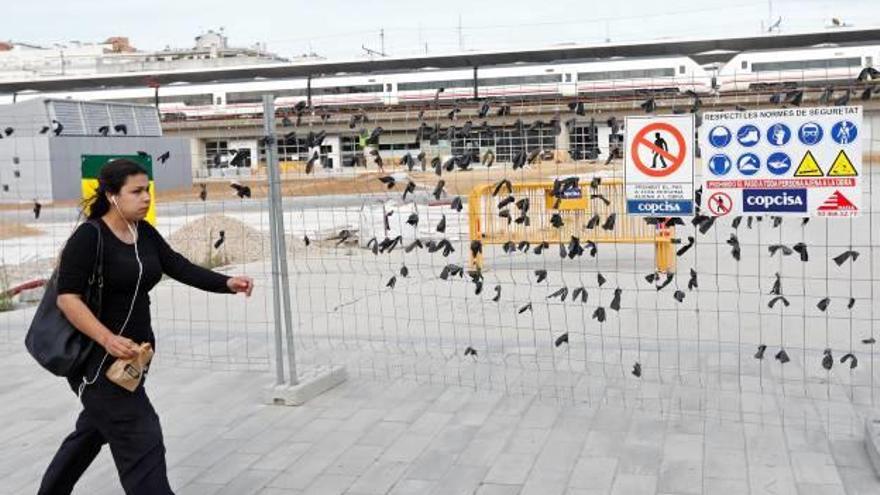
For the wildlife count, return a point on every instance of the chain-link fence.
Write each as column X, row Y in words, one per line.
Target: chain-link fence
column 379, row 248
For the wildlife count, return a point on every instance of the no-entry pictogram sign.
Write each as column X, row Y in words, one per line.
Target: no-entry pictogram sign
column 720, row 204
column 653, row 140
column 659, row 165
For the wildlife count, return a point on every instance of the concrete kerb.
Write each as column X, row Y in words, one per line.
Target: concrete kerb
column 872, row 442
column 313, row 382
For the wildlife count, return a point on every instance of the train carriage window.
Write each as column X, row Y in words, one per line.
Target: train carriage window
column 188, row 100
column 869, row 61
column 388, row 88
column 141, row 101
column 434, row 85
column 257, row 96
column 626, row 74
column 681, row 69
column 745, row 65
column 520, row 80
column 218, row 101
column 341, row 90
column 826, row 63
column 844, row 62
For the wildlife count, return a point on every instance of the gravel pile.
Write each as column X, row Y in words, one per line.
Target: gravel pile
column 241, row 244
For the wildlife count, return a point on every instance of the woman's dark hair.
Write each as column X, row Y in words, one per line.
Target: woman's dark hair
column 110, row 180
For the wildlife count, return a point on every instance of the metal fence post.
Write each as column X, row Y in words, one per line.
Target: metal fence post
column 272, row 165
column 279, row 244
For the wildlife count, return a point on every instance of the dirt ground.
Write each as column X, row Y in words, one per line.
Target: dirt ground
column 12, row 230
column 457, row 182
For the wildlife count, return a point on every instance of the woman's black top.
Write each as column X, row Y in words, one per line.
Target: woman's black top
column 120, row 277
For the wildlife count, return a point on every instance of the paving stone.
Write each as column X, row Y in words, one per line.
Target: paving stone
column 639, row 460
column 494, row 489
column 460, row 480
column 510, row 469
column 595, row 473
column 228, row 468
column 379, row 478
column 200, row 489
column 412, row 487
column 817, row 489
column 330, row 484
column 382, row 434
column 249, row 482
column 815, row 468
column 860, row 481
column 355, row 460
column 725, row 464
column 431, row 465
column 680, row 476
column 712, row 486
column 679, row 446
column 407, row 447
column 527, row 441
column 630, row 484
column 771, row 480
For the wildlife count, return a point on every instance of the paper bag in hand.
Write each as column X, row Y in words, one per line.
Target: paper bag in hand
column 127, row 373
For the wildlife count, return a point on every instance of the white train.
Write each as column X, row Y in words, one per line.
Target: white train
column 795, row 68
column 748, row 70
column 664, row 74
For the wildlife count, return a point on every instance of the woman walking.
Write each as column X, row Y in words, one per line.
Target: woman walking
column 135, row 256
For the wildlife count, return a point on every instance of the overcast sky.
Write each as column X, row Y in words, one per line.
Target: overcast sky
column 338, row 29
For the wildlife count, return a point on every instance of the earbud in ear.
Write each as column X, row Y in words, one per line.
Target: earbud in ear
column 113, row 200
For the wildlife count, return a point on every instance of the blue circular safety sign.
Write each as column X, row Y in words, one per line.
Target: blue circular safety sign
column 810, row 133
column 778, row 163
column 778, row 134
column 720, row 164
column 748, row 135
column 748, row 164
column 844, row 132
column 720, row 136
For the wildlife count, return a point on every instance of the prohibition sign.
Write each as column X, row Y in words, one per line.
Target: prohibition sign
column 720, row 204
column 641, row 139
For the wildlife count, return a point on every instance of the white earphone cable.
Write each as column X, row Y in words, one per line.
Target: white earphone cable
column 85, row 379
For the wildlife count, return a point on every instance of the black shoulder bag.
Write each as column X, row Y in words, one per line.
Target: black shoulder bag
column 51, row 339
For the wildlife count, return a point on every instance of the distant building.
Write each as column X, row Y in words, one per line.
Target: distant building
column 24, row 61
column 42, row 157
column 211, row 41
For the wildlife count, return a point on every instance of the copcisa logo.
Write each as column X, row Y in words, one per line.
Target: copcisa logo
column 655, row 207
column 775, row 200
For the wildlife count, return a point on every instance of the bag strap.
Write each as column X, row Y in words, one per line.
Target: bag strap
column 98, row 266
column 97, row 276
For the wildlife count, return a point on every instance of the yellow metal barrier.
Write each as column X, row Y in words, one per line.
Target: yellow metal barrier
column 487, row 226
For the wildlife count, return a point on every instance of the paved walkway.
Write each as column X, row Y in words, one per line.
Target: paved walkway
column 368, row 437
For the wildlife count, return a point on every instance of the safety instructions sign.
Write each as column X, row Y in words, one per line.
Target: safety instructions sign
column 793, row 161
column 659, row 165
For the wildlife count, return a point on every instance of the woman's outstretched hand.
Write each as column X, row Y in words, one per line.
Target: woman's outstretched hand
column 241, row 284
